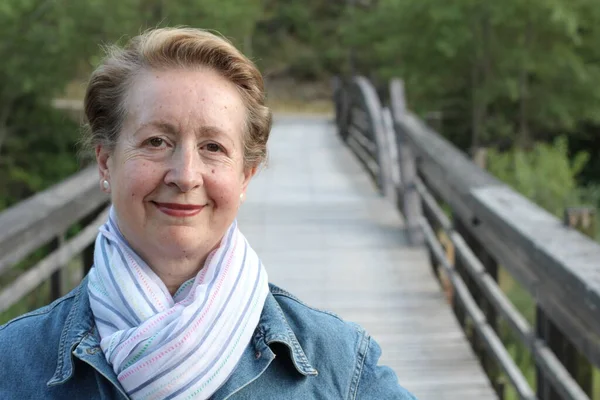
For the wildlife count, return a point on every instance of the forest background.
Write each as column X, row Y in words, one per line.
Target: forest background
column 517, row 79
column 520, row 78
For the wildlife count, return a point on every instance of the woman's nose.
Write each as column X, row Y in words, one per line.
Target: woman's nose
column 185, row 170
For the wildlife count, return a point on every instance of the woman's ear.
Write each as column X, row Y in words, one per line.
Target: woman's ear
column 248, row 175
column 102, row 158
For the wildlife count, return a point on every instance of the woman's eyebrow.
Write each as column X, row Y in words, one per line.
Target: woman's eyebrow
column 213, row 132
column 209, row 131
column 163, row 126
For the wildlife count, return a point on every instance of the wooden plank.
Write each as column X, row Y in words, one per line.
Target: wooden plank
column 550, row 366
column 557, row 265
column 37, row 274
column 364, row 141
column 348, row 253
column 35, row 221
column 365, row 157
column 372, row 106
column 490, row 338
column 409, row 202
column 359, row 118
column 562, row 264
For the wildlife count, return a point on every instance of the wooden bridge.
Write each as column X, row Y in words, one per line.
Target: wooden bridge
column 376, row 217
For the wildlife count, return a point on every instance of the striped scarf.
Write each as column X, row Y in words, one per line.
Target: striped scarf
column 175, row 347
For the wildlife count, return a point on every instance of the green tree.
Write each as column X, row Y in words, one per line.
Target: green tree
column 501, row 71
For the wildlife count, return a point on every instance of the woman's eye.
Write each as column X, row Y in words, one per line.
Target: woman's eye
column 213, row 147
column 156, row 142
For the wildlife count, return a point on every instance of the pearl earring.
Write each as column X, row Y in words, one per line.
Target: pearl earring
column 105, row 184
column 242, row 196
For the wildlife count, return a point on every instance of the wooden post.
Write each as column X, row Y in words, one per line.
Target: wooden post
column 434, row 120
column 393, row 155
column 56, row 279
column 411, row 203
column 376, row 127
column 584, row 219
column 87, row 254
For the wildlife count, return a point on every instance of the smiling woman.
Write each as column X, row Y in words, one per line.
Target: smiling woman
column 177, row 173
column 178, row 304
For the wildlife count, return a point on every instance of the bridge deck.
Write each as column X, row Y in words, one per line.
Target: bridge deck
column 325, row 235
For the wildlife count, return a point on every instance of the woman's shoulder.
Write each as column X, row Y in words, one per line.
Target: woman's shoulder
column 339, row 347
column 299, row 311
column 48, row 319
column 35, row 334
column 29, row 345
column 324, row 336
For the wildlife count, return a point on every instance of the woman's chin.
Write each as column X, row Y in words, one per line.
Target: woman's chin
column 183, row 241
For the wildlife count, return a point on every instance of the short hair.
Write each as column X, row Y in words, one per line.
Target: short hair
column 166, row 48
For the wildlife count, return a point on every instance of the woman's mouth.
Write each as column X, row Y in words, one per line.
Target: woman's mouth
column 178, row 210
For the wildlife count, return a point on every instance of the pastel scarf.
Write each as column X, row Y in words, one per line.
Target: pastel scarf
column 175, row 347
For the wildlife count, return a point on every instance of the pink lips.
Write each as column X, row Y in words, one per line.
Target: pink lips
column 179, row 210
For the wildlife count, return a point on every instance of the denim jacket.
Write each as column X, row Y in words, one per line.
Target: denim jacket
column 296, row 353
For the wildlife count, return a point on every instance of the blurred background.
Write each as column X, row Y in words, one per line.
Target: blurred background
column 516, row 78
column 515, row 83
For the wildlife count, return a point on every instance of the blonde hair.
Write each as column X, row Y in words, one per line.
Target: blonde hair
column 167, row 48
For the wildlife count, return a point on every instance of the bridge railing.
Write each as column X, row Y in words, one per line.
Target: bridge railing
column 61, row 223
column 490, row 225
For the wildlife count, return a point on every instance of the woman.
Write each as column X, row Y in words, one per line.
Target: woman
column 177, row 304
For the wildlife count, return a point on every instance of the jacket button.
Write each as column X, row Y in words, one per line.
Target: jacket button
column 258, row 355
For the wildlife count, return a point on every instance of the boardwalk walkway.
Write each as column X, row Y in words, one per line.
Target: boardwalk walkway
column 325, row 235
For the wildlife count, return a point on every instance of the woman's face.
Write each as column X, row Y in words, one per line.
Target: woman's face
column 177, row 172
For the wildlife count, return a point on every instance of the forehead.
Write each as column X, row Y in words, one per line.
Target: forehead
column 186, row 98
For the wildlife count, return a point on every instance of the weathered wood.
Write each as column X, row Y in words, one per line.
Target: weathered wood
column 360, row 119
column 365, row 156
column 341, row 101
column 56, row 279
column 37, row 274
column 325, row 234
column 489, row 337
column 565, row 279
column 411, row 204
column 365, row 142
column 372, row 106
column 37, row 220
column 558, row 265
column 552, row 372
column 584, row 219
column 392, row 147
column 87, row 255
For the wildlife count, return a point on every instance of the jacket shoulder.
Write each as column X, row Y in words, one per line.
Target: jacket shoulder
column 33, row 336
column 54, row 312
column 340, row 348
column 296, row 310
column 333, row 346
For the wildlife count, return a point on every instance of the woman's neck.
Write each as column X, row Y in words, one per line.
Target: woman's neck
column 175, row 271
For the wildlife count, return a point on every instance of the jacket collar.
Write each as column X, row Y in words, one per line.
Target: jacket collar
column 80, row 338
column 275, row 329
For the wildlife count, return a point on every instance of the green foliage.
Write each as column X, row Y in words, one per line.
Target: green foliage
column 546, row 174
column 501, row 72
column 39, row 152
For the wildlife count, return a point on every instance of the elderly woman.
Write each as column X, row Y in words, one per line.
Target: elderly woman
column 177, row 304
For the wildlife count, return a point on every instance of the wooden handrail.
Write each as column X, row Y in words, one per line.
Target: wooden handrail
column 493, row 225
column 359, row 118
column 558, row 266
column 44, row 219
